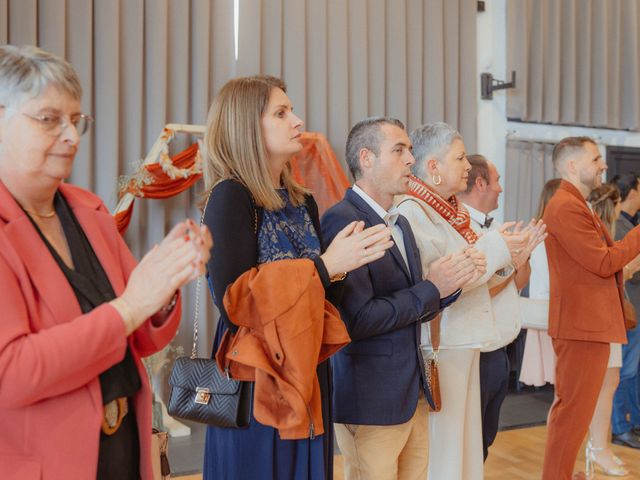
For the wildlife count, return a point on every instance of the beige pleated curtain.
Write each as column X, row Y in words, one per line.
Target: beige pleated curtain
column 577, row 62
column 346, row 60
column 145, row 63
column 528, row 168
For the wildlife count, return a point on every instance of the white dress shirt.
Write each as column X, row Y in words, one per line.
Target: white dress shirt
column 389, row 218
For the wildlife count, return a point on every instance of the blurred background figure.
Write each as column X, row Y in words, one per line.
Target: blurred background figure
column 538, row 359
column 605, row 201
column 625, row 419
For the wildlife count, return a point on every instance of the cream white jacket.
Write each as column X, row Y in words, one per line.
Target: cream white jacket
column 469, row 322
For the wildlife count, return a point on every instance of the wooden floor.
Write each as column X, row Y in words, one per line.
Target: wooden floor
column 517, row 455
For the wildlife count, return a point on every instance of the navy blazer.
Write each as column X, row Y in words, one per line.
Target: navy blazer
column 378, row 376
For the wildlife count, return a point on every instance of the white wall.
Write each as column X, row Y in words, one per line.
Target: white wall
column 493, row 126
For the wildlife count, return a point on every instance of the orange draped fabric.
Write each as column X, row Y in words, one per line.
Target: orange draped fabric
column 160, row 184
column 316, row 167
column 123, row 219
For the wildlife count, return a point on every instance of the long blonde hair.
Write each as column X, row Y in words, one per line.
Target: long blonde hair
column 235, row 146
column 603, row 200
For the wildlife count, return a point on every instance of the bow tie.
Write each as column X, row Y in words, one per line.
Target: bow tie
column 487, row 221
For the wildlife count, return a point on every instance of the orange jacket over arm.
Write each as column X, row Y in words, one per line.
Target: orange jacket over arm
column 286, row 328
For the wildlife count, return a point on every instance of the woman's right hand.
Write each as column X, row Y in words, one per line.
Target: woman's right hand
column 355, row 246
column 516, row 239
column 177, row 260
column 454, row 271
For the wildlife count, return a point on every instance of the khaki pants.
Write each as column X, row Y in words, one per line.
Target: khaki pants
column 386, row 452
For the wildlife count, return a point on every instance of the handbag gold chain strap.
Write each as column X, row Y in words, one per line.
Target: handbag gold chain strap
column 196, row 310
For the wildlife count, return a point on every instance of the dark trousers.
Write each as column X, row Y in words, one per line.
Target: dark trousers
column 494, row 383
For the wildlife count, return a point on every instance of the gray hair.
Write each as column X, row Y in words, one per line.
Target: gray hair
column 431, row 140
column 25, row 72
column 366, row 134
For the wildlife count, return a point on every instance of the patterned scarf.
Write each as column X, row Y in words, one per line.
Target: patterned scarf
column 453, row 212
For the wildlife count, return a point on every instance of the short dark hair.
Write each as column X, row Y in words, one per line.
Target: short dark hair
column 366, row 134
column 479, row 168
column 566, row 146
column 625, row 183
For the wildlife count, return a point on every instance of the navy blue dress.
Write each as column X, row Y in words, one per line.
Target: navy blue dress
column 257, row 452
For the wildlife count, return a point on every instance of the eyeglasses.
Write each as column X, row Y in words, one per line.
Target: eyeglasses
column 56, row 124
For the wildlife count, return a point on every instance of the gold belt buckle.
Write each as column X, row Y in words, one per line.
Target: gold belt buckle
column 114, row 413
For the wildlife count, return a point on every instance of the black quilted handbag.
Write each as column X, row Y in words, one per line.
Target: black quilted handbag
column 201, row 393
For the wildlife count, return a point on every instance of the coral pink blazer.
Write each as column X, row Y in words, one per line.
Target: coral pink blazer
column 51, row 354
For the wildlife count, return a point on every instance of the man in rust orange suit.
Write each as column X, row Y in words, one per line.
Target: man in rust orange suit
column 585, row 306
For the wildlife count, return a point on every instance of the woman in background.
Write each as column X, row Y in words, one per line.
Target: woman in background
column 538, row 359
column 605, row 201
column 258, row 214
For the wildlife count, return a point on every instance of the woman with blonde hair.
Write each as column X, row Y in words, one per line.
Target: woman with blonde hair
column 258, row 214
column 605, row 201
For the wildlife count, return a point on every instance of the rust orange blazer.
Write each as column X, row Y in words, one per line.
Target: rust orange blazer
column 286, row 329
column 51, row 354
column 585, row 270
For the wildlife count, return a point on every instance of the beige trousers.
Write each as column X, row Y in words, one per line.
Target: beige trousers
column 455, row 452
column 386, row 452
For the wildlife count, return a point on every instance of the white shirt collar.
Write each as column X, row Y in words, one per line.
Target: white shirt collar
column 476, row 215
column 389, row 217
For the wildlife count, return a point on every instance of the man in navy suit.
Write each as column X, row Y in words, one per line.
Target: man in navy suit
column 379, row 395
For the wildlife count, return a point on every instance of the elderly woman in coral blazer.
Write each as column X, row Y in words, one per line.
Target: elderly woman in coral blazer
column 78, row 314
column 441, row 225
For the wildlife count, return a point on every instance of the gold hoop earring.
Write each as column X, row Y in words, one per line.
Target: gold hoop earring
column 438, row 181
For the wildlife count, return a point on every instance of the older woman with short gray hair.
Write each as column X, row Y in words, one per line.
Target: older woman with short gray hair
column 78, row 313
column 441, row 225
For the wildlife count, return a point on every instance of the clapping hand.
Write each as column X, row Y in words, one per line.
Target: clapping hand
column 537, row 234
column 515, row 237
column 179, row 258
column 355, row 246
column 453, row 271
column 479, row 260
